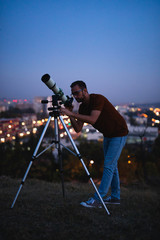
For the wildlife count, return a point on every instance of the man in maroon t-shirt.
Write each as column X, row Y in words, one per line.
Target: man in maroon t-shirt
column 96, row 110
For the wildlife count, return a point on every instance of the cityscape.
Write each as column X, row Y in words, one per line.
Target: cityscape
column 113, row 46
column 23, row 117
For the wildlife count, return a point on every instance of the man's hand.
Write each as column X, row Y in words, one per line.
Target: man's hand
column 70, row 108
column 66, row 111
column 76, row 124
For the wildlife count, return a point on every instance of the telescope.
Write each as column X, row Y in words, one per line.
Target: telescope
column 51, row 84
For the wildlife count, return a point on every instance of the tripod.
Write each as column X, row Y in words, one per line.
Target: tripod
column 56, row 114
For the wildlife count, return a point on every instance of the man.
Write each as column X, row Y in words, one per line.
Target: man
column 96, row 110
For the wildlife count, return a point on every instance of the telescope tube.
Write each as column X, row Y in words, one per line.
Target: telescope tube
column 51, row 84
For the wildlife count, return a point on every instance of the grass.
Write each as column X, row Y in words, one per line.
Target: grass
column 41, row 213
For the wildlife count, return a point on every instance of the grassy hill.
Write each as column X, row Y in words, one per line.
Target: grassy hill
column 41, row 213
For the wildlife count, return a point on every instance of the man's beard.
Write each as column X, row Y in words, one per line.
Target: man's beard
column 79, row 100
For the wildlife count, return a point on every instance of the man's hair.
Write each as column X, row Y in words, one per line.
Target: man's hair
column 80, row 83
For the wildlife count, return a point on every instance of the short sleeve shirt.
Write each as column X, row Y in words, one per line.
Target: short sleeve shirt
column 110, row 123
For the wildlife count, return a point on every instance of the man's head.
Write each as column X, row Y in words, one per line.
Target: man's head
column 80, row 83
column 79, row 91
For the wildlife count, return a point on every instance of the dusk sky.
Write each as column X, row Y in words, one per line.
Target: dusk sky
column 114, row 46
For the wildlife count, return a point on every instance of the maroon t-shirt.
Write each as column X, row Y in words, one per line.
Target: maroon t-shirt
column 110, row 123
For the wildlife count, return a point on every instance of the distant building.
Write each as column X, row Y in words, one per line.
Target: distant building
column 12, row 127
column 24, row 105
column 9, row 127
column 90, row 133
column 38, row 106
column 140, row 120
column 122, row 109
column 5, row 104
column 138, row 133
column 3, row 108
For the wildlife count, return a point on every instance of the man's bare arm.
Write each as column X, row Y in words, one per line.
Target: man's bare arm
column 76, row 124
column 79, row 119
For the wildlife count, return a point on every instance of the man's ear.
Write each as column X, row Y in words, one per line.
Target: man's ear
column 85, row 90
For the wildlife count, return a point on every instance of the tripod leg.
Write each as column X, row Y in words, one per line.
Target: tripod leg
column 58, row 147
column 31, row 162
column 61, row 169
column 22, row 182
column 79, row 156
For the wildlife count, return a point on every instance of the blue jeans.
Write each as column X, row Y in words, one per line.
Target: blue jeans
column 112, row 151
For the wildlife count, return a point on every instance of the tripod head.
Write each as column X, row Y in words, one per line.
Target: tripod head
column 54, row 110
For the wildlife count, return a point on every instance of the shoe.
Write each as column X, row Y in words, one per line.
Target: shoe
column 110, row 200
column 91, row 203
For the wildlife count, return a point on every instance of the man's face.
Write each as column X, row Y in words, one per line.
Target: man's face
column 78, row 93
